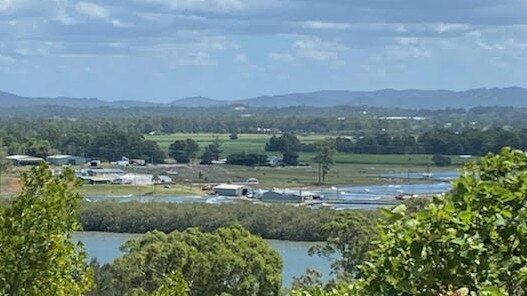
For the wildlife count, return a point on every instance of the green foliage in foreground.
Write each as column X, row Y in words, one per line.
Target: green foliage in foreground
column 349, row 236
column 269, row 221
column 37, row 256
column 471, row 242
column 228, row 261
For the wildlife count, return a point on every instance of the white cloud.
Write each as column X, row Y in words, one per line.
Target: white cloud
column 216, row 43
column 313, row 48
column 223, row 6
column 406, row 48
column 5, row 59
column 510, row 45
column 98, row 12
column 325, row 25
column 92, row 10
column 281, row 56
column 446, row 27
column 241, row 58
column 401, row 29
column 194, row 59
column 6, row 5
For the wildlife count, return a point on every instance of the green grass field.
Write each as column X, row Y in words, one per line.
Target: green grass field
column 340, row 174
column 255, row 143
column 117, row 190
column 349, row 168
column 250, row 143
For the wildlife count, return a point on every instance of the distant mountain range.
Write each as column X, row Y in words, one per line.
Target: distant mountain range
column 409, row 99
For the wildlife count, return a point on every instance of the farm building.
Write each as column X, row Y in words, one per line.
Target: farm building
column 231, row 190
column 20, row 160
column 65, row 160
column 163, row 180
column 123, row 162
column 288, row 195
column 100, row 176
column 142, row 179
column 135, row 179
column 138, row 162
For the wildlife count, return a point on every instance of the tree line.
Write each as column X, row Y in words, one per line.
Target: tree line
column 106, row 142
column 268, row 221
column 345, row 119
column 436, row 141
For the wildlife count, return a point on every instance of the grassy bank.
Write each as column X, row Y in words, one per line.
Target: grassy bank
column 117, row 190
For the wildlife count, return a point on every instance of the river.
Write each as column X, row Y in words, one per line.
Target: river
column 105, row 247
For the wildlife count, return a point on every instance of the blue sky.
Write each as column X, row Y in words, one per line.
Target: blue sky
column 160, row 50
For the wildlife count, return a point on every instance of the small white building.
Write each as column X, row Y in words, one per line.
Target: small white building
column 220, row 161
column 163, row 180
column 135, row 179
column 123, row 162
column 231, row 190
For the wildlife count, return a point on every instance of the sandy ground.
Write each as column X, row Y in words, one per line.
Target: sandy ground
column 14, row 185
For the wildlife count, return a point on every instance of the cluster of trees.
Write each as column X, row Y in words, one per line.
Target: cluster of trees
column 227, row 261
column 184, row 151
column 247, row 159
column 288, row 142
column 381, row 143
column 270, row 221
column 436, row 141
column 101, row 140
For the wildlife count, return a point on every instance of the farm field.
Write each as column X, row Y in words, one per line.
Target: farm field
column 349, row 169
column 255, row 143
column 340, row 174
column 120, row 190
column 250, row 143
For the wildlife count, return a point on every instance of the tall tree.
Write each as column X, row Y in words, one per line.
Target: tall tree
column 325, row 149
column 212, row 152
column 37, row 254
column 290, row 158
column 183, row 150
column 229, row 260
column 4, row 163
column 349, row 236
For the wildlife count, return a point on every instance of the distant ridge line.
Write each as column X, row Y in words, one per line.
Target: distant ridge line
column 409, row 99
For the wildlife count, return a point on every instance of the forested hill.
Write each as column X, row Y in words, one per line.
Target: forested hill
column 409, row 99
